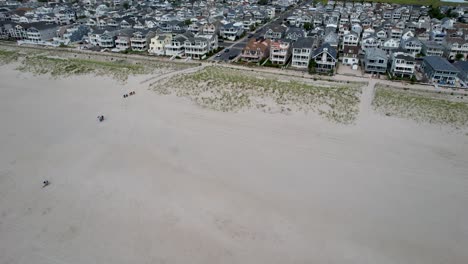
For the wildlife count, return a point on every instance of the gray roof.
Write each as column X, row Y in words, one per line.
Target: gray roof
column 440, row 64
column 375, row 52
column 404, row 57
column 461, row 65
column 432, row 44
column 303, row 43
column 330, row 50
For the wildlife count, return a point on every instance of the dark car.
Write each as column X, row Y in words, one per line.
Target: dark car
column 226, row 50
column 232, row 57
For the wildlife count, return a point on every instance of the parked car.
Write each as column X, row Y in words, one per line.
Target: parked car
column 226, row 50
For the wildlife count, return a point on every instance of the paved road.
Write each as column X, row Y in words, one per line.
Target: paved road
column 235, row 48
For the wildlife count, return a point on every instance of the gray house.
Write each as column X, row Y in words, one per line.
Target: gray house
column 40, row 32
column 375, row 61
column 432, row 48
column 439, row 70
column 462, row 66
column 325, row 58
column 275, row 32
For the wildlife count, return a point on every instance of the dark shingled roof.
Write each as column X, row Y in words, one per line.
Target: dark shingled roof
column 303, row 43
column 461, row 65
column 331, row 50
column 440, row 64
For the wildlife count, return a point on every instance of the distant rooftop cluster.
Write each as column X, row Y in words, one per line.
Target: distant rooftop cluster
column 379, row 38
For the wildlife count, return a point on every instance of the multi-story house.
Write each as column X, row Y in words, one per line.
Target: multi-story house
column 75, row 33
column 402, row 65
column 301, row 53
column 106, row 40
column 231, row 31
column 437, row 36
column 40, row 32
column 140, row 40
column 381, row 33
column 158, row 44
column 370, row 42
column 122, row 42
column 432, row 48
column 325, row 58
column 390, row 45
column 350, row 55
column 332, row 39
column 176, row 47
column 439, row 70
column 456, row 46
column 375, row 61
column 412, row 46
column 395, row 33
column 275, row 32
column 210, row 28
column 462, row 66
column 280, row 51
column 350, row 39
column 256, row 50
column 196, row 47
column 293, row 33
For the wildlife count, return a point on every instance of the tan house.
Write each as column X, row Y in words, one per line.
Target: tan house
column 256, row 50
column 158, row 44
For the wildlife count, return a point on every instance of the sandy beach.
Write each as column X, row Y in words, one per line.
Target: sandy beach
column 162, row 180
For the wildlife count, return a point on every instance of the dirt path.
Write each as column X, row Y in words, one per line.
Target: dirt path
column 172, row 74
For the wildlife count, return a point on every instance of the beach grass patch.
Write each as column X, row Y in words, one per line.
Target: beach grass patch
column 421, row 106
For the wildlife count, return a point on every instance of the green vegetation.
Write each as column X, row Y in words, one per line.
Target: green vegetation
column 459, row 56
column 422, row 106
column 59, row 63
column 188, row 22
column 434, row 3
column 312, row 66
column 57, row 67
column 226, row 89
column 307, row 26
column 7, row 56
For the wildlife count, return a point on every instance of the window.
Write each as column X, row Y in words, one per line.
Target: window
column 381, row 61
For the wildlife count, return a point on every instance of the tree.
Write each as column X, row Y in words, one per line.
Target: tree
column 188, row 22
column 126, row 5
column 263, row 2
column 434, row 12
column 459, row 56
column 312, row 66
column 307, row 26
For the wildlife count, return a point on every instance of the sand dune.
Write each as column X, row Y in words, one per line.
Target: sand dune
column 164, row 181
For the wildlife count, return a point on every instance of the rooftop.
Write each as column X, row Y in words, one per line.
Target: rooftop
column 440, row 64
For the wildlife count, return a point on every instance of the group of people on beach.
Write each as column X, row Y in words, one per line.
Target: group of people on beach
column 100, row 119
column 126, row 95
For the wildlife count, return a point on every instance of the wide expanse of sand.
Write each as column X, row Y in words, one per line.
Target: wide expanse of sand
column 164, row 181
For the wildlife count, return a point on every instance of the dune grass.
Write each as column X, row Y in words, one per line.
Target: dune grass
column 62, row 64
column 425, row 107
column 232, row 90
column 8, row 56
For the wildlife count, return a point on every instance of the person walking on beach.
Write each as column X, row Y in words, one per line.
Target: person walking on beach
column 46, row 183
